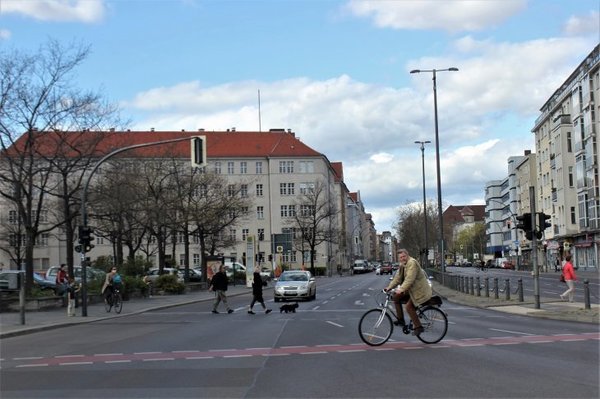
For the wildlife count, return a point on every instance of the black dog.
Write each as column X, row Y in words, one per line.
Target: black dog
column 288, row 307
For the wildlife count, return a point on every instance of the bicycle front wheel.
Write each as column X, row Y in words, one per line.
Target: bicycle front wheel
column 118, row 302
column 435, row 325
column 375, row 327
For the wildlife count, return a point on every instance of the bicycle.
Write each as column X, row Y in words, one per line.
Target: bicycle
column 114, row 299
column 376, row 326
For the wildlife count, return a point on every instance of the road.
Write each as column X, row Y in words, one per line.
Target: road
column 186, row 352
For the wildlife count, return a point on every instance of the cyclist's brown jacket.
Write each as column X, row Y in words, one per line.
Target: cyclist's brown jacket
column 412, row 279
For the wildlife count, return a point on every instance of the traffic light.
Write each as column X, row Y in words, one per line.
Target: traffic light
column 524, row 222
column 85, row 238
column 543, row 222
column 198, row 151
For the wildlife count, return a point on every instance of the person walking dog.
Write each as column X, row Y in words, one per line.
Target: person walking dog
column 257, row 292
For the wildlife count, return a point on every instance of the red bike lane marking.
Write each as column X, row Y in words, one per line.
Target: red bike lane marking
column 80, row 359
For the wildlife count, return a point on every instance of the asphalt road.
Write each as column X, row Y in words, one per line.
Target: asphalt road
column 186, row 351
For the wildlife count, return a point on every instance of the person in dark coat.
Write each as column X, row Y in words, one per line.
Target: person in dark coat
column 218, row 284
column 257, row 293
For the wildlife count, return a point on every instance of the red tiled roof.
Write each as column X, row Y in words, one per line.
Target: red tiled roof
column 218, row 144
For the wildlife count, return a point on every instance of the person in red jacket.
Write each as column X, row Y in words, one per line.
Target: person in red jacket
column 570, row 277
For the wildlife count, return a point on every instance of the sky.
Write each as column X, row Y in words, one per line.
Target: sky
column 335, row 72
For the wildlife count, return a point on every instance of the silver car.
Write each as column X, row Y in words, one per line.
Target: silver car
column 295, row 284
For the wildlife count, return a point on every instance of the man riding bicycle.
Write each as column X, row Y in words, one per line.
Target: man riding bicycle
column 413, row 289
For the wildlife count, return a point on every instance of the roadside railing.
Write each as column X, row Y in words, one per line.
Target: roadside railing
column 476, row 286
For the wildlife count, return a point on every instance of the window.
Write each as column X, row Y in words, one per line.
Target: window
column 307, row 188
column 569, row 144
column 286, row 188
column 573, row 218
column 571, row 181
column 12, row 217
column 244, row 234
column 243, row 167
column 230, row 190
column 306, row 167
column 259, row 190
column 232, row 234
column 307, row 210
column 195, row 260
column 259, row 168
column 230, row 168
column 286, row 166
column 42, row 240
column 260, row 212
column 182, row 261
column 284, row 211
column 261, row 234
column 244, row 190
column 218, row 168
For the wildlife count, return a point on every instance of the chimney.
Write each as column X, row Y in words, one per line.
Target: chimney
column 151, row 129
column 527, row 152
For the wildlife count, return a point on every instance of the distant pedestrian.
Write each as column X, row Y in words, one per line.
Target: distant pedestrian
column 218, row 284
column 72, row 294
column 62, row 283
column 569, row 274
column 257, row 292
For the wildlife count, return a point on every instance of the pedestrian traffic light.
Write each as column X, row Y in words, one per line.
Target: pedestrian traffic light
column 543, row 222
column 529, row 235
column 270, row 258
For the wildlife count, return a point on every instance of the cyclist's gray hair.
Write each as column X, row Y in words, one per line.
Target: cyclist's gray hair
column 403, row 250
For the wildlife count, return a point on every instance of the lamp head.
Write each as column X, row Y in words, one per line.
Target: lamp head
column 415, row 71
column 453, row 69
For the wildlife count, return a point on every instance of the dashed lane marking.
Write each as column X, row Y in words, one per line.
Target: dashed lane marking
column 83, row 359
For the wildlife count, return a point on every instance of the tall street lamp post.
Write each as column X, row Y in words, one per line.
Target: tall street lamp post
column 437, row 158
column 426, row 249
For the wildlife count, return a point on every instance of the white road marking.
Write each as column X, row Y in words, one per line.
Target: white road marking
column 334, row 324
column 511, row 332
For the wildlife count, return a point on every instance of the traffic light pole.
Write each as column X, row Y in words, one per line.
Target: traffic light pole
column 536, row 272
column 84, row 216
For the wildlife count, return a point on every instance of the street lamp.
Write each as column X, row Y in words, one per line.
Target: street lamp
column 422, row 143
column 437, row 158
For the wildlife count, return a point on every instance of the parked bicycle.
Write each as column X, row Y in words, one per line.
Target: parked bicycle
column 114, row 299
column 376, row 325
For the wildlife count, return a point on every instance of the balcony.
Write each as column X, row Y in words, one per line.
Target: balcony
column 562, row 119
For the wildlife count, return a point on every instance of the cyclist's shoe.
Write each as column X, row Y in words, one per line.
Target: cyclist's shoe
column 215, row 312
column 251, row 312
column 399, row 323
column 418, row 330
column 405, row 329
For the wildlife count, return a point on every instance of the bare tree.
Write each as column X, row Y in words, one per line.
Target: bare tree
column 37, row 100
column 314, row 220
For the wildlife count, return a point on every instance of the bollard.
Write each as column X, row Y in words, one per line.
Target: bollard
column 462, row 284
column 507, row 288
column 496, row 288
column 471, row 290
column 487, row 287
column 520, row 285
column 478, row 282
column 586, row 293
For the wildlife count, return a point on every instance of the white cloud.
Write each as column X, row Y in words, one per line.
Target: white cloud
column 5, row 34
column 455, row 15
column 372, row 129
column 56, row 10
column 583, row 25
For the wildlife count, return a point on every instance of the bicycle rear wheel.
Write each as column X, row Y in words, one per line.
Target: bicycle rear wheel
column 375, row 327
column 434, row 323
column 118, row 302
column 108, row 302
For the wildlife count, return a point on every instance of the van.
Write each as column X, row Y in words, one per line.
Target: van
column 230, row 266
column 360, row 266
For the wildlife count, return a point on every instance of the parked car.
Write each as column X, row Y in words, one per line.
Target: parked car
column 43, row 283
column 194, row 275
column 386, row 268
column 92, row 273
column 295, row 284
column 231, row 266
column 154, row 273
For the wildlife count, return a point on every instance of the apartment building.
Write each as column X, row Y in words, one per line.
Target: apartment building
column 272, row 168
column 564, row 172
column 568, row 183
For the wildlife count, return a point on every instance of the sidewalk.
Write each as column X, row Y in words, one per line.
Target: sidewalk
column 557, row 310
column 10, row 323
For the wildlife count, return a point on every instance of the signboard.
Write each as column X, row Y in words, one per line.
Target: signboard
column 250, row 251
column 212, row 265
column 279, row 249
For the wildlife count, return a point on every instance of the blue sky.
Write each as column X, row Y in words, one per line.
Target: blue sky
column 336, row 73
